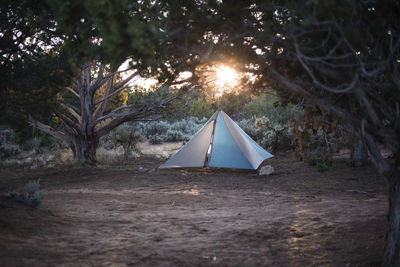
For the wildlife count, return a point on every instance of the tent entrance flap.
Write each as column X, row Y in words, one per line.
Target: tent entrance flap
column 209, row 150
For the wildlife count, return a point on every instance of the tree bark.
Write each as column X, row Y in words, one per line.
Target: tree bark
column 84, row 149
column 392, row 247
column 359, row 154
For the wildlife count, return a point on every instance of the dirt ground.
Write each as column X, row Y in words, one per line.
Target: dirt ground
column 116, row 215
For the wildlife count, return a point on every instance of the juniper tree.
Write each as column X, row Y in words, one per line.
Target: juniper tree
column 341, row 56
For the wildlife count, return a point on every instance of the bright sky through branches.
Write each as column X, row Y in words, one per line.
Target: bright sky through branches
column 226, row 78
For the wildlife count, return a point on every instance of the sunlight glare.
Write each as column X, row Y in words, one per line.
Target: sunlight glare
column 226, row 75
column 226, row 78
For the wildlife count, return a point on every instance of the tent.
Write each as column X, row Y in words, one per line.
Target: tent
column 219, row 143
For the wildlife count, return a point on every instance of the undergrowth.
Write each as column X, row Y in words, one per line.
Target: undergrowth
column 31, row 196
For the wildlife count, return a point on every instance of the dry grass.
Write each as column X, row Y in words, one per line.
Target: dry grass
column 162, row 150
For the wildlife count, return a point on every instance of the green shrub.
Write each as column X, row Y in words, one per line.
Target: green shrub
column 31, row 196
column 8, row 150
column 321, row 163
column 317, row 146
column 233, row 102
column 266, row 105
column 156, row 139
column 200, row 108
column 7, row 146
column 32, row 144
column 40, row 141
column 270, row 135
column 125, row 136
column 157, row 132
column 6, row 135
column 174, row 135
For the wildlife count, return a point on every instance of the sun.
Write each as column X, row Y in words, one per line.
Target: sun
column 226, row 76
column 225, row 79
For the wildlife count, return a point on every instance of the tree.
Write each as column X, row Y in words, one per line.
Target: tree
column 343, row 60
column 111, row 32
column 81, row 126
column 359, row 154
column 29, row 72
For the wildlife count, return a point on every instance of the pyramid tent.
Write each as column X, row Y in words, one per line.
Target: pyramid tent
column 220, row 143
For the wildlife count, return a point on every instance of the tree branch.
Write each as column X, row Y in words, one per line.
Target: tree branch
column 333, row 109
column 49, row 130
column 103, row 105
column 337, row 90
column 120, row 118
column 72, row 91
column 71, row 111
column 122, row 83
column 380, row 163
column 93, row 87
column 68, row 121
column 110, row 95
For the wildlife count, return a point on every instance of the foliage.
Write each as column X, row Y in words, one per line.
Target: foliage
column 157, row 132
column 78, row 47
column 32, row 196
column 271, row 135
column 320, row 162
column 174, row 110
column 7, row 146
column 268, row 123
column 317, row 136
column 232, row 103
column 41, row 140
column 29, row 72
column 268, row 105
column 200, row 108
column 124, row 136
column 8, row 150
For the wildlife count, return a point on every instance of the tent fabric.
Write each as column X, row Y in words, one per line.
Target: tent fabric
column 253, row 152
column 193, row 154
column 230, row 147
column 225, row 153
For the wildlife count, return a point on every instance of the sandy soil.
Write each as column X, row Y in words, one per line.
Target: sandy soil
column 116, row 215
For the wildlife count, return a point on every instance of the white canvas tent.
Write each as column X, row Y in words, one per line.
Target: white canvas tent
column 219, row 143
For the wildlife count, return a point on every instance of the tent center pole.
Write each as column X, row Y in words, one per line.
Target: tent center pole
column 209, row 150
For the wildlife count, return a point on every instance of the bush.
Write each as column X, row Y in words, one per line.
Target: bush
column 40, row 141
column 321, row 163
column 317, row 137
column 270, row 135
column 8, row 150
column 156, row 139
column 7, row 146
column 6, row 135
column 125, row 136
column 200, row 108
column 32, row 144
column 157, row 132
column 31, row 196
column 268, row 106
column 174, row 135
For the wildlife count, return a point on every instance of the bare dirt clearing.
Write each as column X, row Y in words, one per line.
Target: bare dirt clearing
column 117, row 215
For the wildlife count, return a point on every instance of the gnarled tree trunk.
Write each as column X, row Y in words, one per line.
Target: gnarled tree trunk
column 392, row 248
column 392, row 174
column 84, row 149
column 359, row 154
